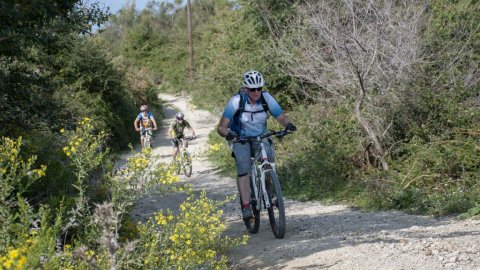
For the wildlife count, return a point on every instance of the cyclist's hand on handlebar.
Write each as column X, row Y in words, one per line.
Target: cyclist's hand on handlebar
column 155, row 129
column 137, row 129
column 230, row 136
column 290, row 127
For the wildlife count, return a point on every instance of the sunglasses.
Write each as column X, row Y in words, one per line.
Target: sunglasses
column 255, row 89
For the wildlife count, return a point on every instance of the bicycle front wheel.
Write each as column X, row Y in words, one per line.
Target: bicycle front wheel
column 146, row 142
column 276, row 211
column 187, row 164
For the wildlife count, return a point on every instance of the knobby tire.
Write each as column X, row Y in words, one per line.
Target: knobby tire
column 187, row 164
column 276, row 211
column 146, row 142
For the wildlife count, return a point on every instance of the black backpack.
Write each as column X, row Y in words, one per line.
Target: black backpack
column 236, row 125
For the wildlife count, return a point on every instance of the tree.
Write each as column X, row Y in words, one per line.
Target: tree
column 32, row 22
column 356, row 50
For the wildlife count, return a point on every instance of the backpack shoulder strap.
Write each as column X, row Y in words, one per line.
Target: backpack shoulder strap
column 264, row 103
column 241, row 105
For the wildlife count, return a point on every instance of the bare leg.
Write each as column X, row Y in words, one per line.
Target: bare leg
column 174, row 154
column 243, row 184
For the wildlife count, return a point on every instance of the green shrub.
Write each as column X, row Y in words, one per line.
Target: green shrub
column 219, row 154
column 318, row 160
column 93, row 235
column 193, row 239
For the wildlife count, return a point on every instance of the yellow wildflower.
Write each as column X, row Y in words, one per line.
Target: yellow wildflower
column 7, row 264
column 13, row 253
column 173, row 238
column 21, row 262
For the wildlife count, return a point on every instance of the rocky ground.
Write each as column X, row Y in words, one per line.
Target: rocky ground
column 319, row 236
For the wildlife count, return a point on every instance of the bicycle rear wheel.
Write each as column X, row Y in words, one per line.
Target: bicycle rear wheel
column 187, row 164
column 253, row 224
column 276, row 211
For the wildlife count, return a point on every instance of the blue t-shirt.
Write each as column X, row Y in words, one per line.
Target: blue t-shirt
column 145, row 120
column 253, row 124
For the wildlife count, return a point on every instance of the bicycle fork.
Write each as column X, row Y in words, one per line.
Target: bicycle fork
column 262, row 171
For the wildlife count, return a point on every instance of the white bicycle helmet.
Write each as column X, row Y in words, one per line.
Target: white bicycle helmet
column 144, row 108
column 179, row 116
column 253, row 79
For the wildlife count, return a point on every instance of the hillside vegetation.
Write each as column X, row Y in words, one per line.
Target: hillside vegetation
column 385, row 94
column 67, row 106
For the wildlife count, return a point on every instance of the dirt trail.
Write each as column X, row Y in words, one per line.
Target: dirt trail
column 319, row 236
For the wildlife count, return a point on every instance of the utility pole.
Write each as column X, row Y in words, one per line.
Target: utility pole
column 190, row 41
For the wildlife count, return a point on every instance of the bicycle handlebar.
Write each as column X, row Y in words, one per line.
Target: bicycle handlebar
column 279, row 134
column 186, row 138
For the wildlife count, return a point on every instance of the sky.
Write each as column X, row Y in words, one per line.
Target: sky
column 116, row 5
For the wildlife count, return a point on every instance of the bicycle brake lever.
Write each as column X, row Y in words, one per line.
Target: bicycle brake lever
column 281, row 134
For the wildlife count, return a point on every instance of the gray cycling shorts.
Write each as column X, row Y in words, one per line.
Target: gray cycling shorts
column 242, row 155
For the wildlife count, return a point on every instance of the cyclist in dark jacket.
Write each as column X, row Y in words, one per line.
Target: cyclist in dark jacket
column 176, row 132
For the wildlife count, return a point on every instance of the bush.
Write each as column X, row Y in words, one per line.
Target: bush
column 193, row 239
column 318, row 161
column 220, row 155
column 89, row 234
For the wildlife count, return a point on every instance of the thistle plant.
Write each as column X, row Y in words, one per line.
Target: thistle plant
column 106, row 218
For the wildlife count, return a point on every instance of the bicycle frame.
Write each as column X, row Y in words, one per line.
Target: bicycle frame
column 265, row 195
column 183, row 145
column 260, row 168
column 184, row 153
column 146, row 136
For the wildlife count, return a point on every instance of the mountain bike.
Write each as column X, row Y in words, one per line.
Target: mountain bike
column 184, row 157
column 265, row 187
column 146, row 134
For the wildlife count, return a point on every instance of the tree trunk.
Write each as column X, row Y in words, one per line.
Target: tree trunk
column 366, row 126
column 190, row 40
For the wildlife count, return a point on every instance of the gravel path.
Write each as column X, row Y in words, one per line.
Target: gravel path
column 319, row 236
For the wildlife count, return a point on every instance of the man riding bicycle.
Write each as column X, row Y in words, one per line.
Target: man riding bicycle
column 176, row 132
column 144, row 121
column 248, row 112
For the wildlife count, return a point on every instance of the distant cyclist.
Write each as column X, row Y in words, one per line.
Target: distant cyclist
column 176, row 132
column 247, row 111
column 143, row 121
